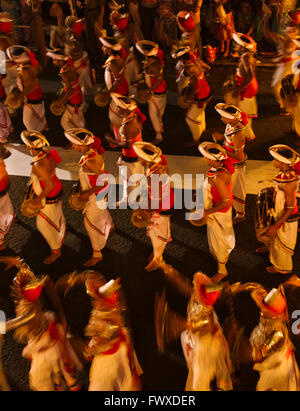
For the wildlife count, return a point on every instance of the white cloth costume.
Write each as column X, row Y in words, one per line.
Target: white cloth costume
column 50, row 221
column 220, row 232
column 5, row 123
column 113, row 372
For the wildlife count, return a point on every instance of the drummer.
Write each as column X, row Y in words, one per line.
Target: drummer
column 282, row 235
column 153, row 68
column 50, row 219
column 115, row 80
column 218, row 205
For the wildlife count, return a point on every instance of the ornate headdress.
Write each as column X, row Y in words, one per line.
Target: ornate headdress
column 207, row 292
column 147, row 151
column 212, row 151
column 284, row 154
column 124, row 102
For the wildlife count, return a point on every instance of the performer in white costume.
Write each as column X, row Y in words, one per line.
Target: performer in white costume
column 281, row 237
column 97, row 218
column 153, row 73
column 70, row 98
column 218, row 205
column 30, row 90
column 234, row 144
column 114, row 77
column 272, row 349
column 245, row 88
column 130, row 132
column 6, row 208
column 203, row 343
column 47, row 188
column 53, row 362
column 110, row 348
column 160, row 200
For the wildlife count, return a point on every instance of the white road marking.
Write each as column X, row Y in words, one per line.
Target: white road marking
column 259, row 173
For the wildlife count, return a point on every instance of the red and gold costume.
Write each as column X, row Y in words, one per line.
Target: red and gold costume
column 272, row 349
column 53, row 363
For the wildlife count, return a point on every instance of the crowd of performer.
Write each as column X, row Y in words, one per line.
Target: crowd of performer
column 134, row 74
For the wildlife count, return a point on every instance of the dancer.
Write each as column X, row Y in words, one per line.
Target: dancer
column 69, row 102
column 6, row 208
column 114, row 364
column 30, row 91
column 47, row 188
column 160, row 200
column 234, row 144
column 195, row 91
column 114, row 77
column 153, row 72
column 218, row 205
column 272, row 349
column 281, row 237
column 97, row 219
column 245, row 88
column 204, row 346
column 130, row 132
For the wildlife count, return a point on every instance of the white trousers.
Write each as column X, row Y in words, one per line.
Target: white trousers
column 112, row 372
column 207, row 357
column 220, row 232
column 98, row 224
column 5, row 123
column 159, row 232
column 72, row 117
column 239, row 189
column 195, row 118
column 51, row 223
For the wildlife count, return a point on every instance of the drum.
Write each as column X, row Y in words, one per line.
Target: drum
column 141, row 218
column 14, row 99
column 28, row 208
column 264, row 212
column 142, row 93
column 102, row 97
column 74, row 200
